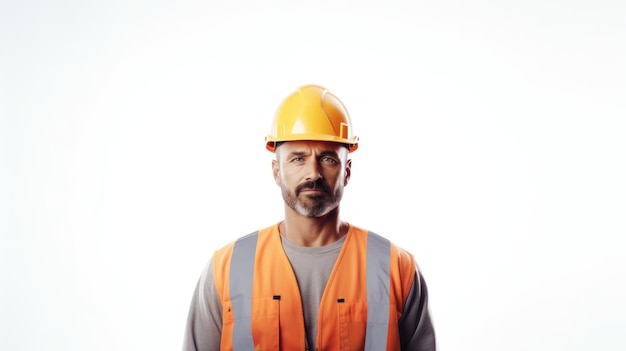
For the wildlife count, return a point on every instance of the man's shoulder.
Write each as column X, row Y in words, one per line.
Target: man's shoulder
column 401, row 259
column 401, row 251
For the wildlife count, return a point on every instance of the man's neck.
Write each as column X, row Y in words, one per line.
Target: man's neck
column 312, row 231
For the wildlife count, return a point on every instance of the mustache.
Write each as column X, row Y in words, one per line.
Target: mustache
column 318, row 184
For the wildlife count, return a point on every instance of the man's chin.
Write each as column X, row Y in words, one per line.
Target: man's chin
column 307, row 210
column 315, row 210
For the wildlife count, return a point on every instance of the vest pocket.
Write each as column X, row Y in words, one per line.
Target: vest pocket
column 255, row 325
column 354, row 324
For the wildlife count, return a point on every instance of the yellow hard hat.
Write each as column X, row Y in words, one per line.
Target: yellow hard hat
column 311, row 113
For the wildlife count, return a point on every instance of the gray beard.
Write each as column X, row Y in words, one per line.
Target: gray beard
column 317, row 206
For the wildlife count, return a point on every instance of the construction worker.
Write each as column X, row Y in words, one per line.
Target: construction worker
column 311, row 281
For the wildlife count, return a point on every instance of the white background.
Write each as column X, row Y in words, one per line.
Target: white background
column 492, row 147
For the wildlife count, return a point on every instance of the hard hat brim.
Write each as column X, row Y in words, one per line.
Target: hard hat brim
column 352, row 143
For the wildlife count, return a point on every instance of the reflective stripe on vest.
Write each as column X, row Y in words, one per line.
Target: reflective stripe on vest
column 377, row 275
column 241, row 274
column 377, row 272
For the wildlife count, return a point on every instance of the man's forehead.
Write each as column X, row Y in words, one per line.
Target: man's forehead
column 305, row 145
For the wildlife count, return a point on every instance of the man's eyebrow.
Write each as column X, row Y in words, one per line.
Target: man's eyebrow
column 297, row 153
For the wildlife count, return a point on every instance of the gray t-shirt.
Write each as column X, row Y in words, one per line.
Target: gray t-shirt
column 312, row 266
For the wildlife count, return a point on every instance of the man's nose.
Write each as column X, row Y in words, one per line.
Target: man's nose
column 313, row 170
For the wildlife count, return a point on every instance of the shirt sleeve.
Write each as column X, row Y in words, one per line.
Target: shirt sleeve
column 204, row 321
column 415, row 325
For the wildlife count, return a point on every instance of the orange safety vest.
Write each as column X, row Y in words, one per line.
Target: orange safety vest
column 359, row 309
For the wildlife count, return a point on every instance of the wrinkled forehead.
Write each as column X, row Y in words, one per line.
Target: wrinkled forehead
column 287, row 147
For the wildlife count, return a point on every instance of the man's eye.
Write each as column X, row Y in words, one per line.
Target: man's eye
column 297, row 159
column 328, row 160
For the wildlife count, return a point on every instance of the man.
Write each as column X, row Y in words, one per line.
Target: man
column 311, row 281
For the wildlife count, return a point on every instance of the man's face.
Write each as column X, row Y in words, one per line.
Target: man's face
column 312, row 175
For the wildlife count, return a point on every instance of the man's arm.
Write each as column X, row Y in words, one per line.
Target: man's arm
column 204, row 322
column 415, row 326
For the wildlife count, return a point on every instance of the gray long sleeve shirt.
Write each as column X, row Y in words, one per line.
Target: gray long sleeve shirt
column 312, row 267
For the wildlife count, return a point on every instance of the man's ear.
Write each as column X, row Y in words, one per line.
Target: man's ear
column 348, row 172
column 276, row 171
